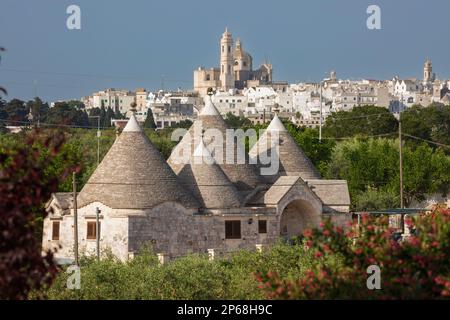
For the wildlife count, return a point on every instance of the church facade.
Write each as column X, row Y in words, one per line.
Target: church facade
column 235, row 70
column 192, row 202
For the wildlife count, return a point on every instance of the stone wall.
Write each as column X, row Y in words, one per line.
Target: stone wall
column 174, row 231
column 113, row 232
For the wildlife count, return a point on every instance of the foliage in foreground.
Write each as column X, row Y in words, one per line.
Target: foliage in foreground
column 24, row 187
column 417, row 268
column 330, row 263
column 190, row 277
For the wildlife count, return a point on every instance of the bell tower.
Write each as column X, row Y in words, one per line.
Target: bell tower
column 427, row 71
column 226, row 61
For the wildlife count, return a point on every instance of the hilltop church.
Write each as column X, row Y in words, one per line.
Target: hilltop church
column 181, row 207
column 235, row 70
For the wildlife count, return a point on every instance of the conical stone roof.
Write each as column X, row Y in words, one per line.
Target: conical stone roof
column 243, row 175
column 292, row 159
column 206, row 180
column 134, row 175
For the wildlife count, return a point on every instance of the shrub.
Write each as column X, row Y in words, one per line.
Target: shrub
column 416, row 268
column 25, row 185
column 190, row 277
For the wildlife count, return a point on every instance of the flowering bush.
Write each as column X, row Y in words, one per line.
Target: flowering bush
column 417, row 267
column 25, row 185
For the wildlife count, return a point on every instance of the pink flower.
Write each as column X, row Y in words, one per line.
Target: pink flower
column 308, row 233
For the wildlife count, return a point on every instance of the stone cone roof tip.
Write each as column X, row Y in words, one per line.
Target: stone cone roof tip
column 292, row 159
column 132, row 125
column 276, row 124
column 209, row 109
column 202, row 152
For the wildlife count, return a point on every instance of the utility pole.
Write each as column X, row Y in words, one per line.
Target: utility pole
column 400, row 147
column 75, row 218
column 402, row 219
column 320, row 121
column 98, row 140
column 97, row 232
column 162, row 82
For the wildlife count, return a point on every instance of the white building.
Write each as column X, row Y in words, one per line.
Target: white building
column 170, row 108
column 117, row 100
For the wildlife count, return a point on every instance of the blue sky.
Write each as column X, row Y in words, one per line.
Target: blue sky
column 130, row 44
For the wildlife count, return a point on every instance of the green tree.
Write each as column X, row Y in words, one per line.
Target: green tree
column 426, row 171
column 3, row 116
column 373, row 199
column 431, row 123
column 38, row 110
column 118, row 114
column 77, row 104
column 17, row 112
column 364, row 120
column 373, row 164
column 149, row 120
column 64, row 114
column 236, row 122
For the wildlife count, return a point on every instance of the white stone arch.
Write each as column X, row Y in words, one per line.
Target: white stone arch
column 296, row 217
column 301, row 209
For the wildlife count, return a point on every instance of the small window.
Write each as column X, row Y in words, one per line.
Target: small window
column 91, row 230
column 55, row 230
column 262, row 226
column 233, row 229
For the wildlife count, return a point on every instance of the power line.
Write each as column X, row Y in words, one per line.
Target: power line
column 429, row 141
column 366, row 116
column 54, row 125
column 361, row 137
column 42, row 85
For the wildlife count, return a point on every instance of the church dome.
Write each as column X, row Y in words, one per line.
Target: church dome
column 134, row 175
column 243, row 60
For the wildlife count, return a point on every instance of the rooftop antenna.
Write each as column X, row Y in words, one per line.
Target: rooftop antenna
column 162, row 82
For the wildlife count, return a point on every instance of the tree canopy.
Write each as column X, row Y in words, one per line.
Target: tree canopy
column 236, row 122
column 149, row 120
column 364, row 120
column 430, row 123
column 373, row 166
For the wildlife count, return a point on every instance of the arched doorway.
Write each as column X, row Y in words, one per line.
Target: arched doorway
column 298, row 216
